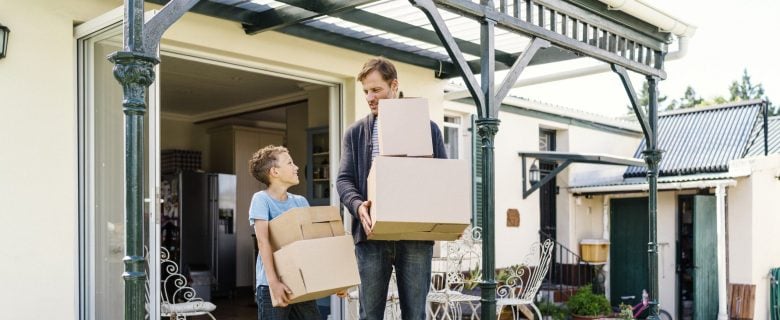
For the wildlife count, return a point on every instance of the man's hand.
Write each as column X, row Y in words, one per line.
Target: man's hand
column 279, row 291
column 365, row 217
column 342, row 294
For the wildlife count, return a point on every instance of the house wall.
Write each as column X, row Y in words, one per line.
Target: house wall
column 752, row 217
column 39, row 103
column 740, row 217
column 752, row 228
column 588, row 220
column 520, row 132
column 39, row 161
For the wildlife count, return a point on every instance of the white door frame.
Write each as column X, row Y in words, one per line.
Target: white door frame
column 86, row 35
column 110, row 24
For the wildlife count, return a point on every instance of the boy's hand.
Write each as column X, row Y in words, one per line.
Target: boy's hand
column 279, row 291
column 365, row 218
column 342, row 294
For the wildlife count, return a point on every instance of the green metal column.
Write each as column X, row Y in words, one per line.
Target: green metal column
column 653, row 157
column 487, row 127
column 135, row 71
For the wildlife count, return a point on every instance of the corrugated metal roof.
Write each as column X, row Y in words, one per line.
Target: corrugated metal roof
column 702, row 140
column 757, row 147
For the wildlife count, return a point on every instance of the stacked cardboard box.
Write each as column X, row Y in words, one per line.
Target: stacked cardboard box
column 312, row 255
column 414, row 196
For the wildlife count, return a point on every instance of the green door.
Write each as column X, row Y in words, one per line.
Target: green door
column 705, row 258
column 628, row 248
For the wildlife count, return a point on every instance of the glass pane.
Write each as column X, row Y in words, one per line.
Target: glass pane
column 542, row 141
column 451, row 142
column 454, row 120
column 108, row 164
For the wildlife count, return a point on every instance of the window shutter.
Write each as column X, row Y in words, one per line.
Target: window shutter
column 476, row 175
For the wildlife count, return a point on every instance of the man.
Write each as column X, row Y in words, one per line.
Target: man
column 376, row 259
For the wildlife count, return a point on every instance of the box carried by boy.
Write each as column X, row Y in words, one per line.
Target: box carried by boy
column 312, row 255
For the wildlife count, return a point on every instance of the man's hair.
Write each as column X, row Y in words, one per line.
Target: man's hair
column 263, row 160
column 385, row 68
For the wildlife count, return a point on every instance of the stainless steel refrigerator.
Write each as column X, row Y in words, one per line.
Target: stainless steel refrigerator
column 207, row 227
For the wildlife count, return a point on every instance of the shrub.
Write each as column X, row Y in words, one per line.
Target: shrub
column 587, row 303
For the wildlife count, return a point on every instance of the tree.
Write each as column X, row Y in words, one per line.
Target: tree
column 744, row 89
column 644, row 98
column 689, row 99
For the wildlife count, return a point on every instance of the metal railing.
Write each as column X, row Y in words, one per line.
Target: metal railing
column 568, row 272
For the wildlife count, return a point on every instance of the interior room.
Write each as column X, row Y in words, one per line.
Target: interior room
column 213, row 117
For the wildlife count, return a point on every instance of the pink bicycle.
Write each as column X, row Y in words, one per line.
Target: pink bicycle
column 640, row 310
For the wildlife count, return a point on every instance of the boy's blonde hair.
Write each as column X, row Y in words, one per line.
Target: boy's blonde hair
column 263, row 160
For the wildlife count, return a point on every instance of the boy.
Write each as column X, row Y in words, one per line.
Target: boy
column 274, row 167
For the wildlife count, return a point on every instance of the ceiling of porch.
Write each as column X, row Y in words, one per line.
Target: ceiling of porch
column 200, row 91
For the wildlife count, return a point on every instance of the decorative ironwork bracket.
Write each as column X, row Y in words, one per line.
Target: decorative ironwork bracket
column 641, row 114
column 568, row 158
column 157, row 25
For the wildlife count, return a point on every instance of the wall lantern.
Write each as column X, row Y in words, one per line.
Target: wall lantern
column 533, row 174
column 4, row 31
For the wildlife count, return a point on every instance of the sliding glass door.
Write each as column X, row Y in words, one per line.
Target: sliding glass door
column 102, row 174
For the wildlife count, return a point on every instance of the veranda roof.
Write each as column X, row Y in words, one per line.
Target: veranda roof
column 399, row 31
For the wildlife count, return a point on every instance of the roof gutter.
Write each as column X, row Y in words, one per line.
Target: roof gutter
column 702, row 184
column 664, row 21
column 645, row 12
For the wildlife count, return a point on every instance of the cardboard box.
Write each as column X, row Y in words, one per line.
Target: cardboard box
column 404, row 128
column 317, row 268
column 594, row 250
column 419, row 198
column 305, row 223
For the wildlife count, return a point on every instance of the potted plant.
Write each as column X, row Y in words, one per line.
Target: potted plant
column 552, row 311
column 585, row 305
column 626, row 312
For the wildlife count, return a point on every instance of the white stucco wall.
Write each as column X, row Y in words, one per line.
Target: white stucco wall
column 752, row 228
column 518, row 132
column 740, row 222
column 38, row 224
column 588, row 222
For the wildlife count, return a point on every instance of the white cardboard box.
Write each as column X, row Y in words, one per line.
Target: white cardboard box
column 419, row 198
column 404, row 128
column 305, row 223
column 317, row 268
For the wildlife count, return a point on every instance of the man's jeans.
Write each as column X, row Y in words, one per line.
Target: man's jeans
column 412, row 261
column 306, row 310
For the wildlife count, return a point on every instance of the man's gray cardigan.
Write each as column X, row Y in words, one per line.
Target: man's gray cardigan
column 356, row 160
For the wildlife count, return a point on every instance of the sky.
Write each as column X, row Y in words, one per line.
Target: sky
column 730, row 36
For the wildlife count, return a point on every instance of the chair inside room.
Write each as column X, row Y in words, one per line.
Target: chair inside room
column 177, row 299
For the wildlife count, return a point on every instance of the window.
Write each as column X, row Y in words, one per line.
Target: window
column 452, row 136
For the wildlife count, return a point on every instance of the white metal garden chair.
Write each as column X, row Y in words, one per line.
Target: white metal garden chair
column 446, row 296
column 177, row 299
column 524, row 280
column 392, row 307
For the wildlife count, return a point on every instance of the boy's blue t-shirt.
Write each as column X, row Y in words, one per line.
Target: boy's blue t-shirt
column 264, row 207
